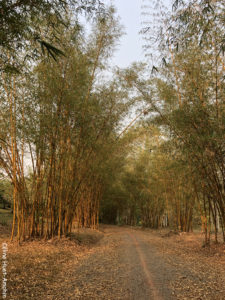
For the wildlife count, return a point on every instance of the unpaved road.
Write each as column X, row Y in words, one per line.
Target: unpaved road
column 122, row 263
column 126, row 267
column 136, row 265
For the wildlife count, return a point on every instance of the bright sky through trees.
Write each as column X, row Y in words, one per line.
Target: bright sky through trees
column 131, row 44
column 130, row 48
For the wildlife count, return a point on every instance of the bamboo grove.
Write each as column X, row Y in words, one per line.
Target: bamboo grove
column 63, row 143
column 180, row 179
column 193, row 100
column 58, row 124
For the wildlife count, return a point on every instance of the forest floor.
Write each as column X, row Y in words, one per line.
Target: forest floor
column 116, row 263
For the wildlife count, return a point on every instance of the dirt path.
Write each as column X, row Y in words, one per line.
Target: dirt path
column 125, row 267
column 136, row 265
column 123, row 264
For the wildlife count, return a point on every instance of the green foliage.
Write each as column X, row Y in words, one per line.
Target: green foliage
column 30, row 28
column 63, row 122
column 188, row 97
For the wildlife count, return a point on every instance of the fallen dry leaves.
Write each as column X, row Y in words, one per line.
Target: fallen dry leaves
column 105, row 265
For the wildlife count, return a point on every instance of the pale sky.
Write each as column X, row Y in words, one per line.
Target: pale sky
column 130, row 48
column 131, row 44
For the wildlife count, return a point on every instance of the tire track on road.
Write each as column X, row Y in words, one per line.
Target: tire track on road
column 155, row 293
